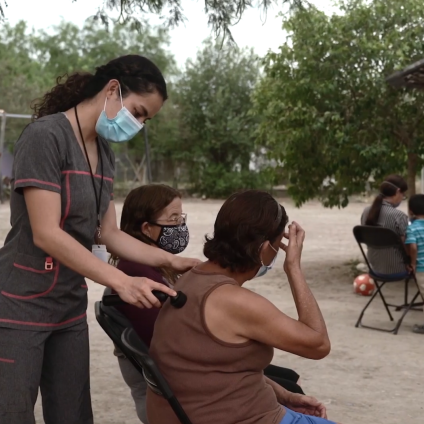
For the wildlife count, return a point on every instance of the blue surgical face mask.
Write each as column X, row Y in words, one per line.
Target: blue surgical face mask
column 120, row 129
column 265, row 268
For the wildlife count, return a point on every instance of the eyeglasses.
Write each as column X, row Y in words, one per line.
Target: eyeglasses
column 175, row 220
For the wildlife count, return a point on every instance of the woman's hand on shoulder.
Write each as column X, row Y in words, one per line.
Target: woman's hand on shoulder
column 181, row 264
column 294, row 247
column 137, row 291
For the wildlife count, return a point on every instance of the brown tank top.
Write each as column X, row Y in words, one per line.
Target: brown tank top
column 215, row 382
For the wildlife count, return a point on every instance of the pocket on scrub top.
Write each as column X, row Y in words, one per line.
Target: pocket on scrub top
column 31, row 277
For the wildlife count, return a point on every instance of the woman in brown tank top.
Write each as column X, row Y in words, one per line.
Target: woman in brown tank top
column 225, row 335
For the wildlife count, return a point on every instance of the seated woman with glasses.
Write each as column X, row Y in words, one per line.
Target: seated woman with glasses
column 225, row 335
column 383, row 212
column 153, row 214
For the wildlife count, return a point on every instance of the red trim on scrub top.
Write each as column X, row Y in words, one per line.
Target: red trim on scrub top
column 33, row 180
column 56, row 275
column 87, row 173
column 9, row 361
column 68, row 202
column 37, row 271
column 34, row 296
column 43, row 324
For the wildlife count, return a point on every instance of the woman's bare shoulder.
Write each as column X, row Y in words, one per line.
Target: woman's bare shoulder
column 238, row 300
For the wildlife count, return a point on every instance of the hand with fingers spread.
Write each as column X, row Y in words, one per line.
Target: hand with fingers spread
column 293, row 249
column 138, row 291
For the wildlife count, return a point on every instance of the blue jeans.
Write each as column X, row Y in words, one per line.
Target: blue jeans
column 292, row 417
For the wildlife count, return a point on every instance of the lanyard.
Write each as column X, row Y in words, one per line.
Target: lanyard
column 100, row 158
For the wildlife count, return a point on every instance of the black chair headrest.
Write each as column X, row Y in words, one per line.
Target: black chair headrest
column 376, row 237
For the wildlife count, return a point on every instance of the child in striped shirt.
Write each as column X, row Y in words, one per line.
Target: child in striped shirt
column 415, row 244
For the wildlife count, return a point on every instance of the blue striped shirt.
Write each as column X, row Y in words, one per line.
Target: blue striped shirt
column 415, row 235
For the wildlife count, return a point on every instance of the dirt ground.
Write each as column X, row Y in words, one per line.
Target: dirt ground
column 369, row 377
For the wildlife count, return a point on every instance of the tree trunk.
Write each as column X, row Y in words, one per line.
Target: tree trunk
column 412, row 172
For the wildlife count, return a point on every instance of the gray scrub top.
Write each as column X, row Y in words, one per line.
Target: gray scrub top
column 48, row 156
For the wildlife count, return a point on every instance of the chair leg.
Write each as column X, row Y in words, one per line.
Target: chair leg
column 378, row 291
column 420, row 305
column 406, row 290
column 396, row 329
column 384, row 299
column 414, row 306
column 407, row 307
column 359, row 322
column 406, row 295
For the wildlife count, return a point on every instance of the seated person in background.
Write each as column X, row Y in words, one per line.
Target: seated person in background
column 415, row 244
column 153, row 214
column 383, row 212
column 225, row 335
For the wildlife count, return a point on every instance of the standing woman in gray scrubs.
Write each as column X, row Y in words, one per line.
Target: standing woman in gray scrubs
column 62, row 205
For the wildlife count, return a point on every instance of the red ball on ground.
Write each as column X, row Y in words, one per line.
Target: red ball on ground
column 364, row 285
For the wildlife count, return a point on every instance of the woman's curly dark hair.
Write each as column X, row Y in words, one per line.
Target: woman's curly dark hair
column 244, row 222
column 136, row 74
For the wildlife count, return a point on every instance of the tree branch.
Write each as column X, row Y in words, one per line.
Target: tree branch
column 222, row 14
column 401, row 135
column 2, row 14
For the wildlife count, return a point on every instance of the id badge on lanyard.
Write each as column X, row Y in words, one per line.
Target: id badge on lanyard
column 99, row 250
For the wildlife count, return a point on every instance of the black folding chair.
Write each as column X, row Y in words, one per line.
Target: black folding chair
column 383, row 238
column 151, row 373
column 114, row 324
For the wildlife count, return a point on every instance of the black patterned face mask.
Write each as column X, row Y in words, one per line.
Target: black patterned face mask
column 173, row 238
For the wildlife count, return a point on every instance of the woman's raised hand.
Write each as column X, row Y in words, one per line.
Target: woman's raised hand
column 293, row 249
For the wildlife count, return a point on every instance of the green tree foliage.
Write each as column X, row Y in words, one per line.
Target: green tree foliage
column 216, row 130
column 21, row 77
column 328, row 115
column 204, row 130
column 32, row 60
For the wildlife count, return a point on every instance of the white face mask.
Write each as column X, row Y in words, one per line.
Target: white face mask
column 265, row 268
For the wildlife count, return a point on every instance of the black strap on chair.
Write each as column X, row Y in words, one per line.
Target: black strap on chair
column 376, row 237
column 152, row 375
